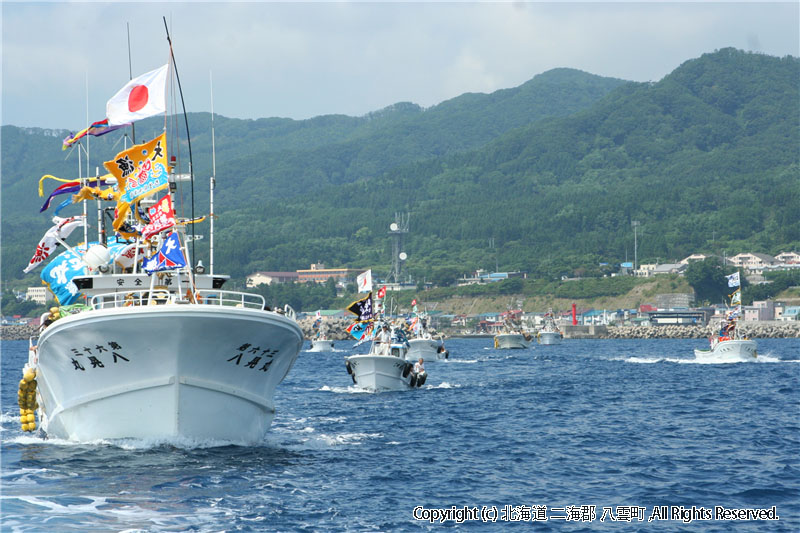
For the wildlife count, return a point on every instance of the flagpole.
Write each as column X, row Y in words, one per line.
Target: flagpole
column 188, row 135
column 130, row 76
column 213, row 180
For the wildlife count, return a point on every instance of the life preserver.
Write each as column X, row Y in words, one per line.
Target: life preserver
column 421, row 377
column 407, row 369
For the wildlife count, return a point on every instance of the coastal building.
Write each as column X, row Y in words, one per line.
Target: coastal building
column 674, row 300
column 319, row 274
column 40, row 295
column 268, row 278
column 789, row 258
column 763, row 310
column 753, row 262
column 790, row 313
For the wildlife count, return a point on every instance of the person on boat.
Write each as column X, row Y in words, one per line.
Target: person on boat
column 419, row 366
column 384, row 340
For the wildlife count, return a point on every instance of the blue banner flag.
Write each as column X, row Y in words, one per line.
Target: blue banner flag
column 168, row 257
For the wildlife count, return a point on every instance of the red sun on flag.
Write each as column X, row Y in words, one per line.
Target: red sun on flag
column 137, row 98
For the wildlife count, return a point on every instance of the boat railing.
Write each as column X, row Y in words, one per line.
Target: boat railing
column 164, row 297
column 230, row 298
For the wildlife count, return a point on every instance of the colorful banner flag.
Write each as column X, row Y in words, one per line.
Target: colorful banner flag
column 161, row 216
column 362, row 308
column 736, row 297
column 381, row 292
column 140, row 98
column 71, row 187
column 97, row 129
column 62, row 229
column 168, row 257
column 364, row 281
column 58, row 275
column 141, row 170
column 361, row 330
column 68, row 265
column 733, row 280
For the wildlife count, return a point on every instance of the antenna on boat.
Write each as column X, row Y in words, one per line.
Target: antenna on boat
column 188, row 136
column 212, row 180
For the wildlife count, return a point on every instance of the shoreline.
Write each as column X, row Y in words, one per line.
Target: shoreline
column 755, row 330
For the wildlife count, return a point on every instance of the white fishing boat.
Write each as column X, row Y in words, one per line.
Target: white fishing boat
column 321, row 344
column 728, row 350
column 729, row 344
column 422, row 344
column 550, row 332
column 512, row 341
column 385, row 366
column 154, row 348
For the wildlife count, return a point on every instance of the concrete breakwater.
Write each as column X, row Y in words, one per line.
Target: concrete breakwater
column 336, row 330
column 753, row 330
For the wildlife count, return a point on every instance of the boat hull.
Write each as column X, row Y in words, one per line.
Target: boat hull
column 427, row 349
column 511, row 341
column 733, row 350
column 379, row 372
column 163, row 372
column 320, row 345
column 549, row 337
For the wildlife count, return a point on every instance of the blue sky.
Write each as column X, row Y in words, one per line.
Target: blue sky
column 301, row 60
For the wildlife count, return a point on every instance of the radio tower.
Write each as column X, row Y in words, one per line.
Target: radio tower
column 397, row 230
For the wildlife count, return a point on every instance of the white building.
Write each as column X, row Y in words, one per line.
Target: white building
column 789, row 258
column 754, row 262
column 40, row 295
column 268, row 278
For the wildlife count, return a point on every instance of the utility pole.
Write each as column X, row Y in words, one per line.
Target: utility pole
column 635, row 224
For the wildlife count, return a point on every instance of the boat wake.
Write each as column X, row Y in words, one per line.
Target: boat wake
column 762, row 358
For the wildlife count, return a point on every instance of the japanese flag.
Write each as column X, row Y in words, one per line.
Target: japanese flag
column 364, row 281
column 382, row 292
column 141, row 97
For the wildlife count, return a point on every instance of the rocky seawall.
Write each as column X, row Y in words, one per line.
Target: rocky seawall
column 336, row 331
column 753, row 330
column 17, row 333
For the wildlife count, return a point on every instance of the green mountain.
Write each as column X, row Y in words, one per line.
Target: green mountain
column 552, row 173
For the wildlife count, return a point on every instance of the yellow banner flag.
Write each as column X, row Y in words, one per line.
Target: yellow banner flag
column 141, row 170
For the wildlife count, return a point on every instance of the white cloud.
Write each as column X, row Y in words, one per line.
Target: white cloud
column 306, row 59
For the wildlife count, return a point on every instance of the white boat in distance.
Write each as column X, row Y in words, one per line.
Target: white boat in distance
column 321, row 344
column 423, row 345
column 729, row 350
column 511, row 341
column 550, row 333
column 729, row 344
column 384, row 368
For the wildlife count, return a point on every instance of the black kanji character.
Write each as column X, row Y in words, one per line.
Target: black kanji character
column 116, row 355
column 237, row 357
column 125, row 165
column 253, row 362
column 115, row 345
column 76, row 365
column 243, row 347
column 266, row 366
column 96, row 362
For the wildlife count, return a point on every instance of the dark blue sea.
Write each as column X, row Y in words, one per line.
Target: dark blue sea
column 607, row 435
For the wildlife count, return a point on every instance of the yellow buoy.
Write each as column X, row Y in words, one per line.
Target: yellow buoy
column 29, row 375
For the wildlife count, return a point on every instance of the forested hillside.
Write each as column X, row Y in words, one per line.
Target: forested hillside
column 552, row 172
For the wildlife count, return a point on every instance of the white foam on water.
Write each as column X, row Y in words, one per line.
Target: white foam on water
column 443, row 385
column 344, row 390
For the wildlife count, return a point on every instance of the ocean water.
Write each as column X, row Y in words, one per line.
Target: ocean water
column 590, row 435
